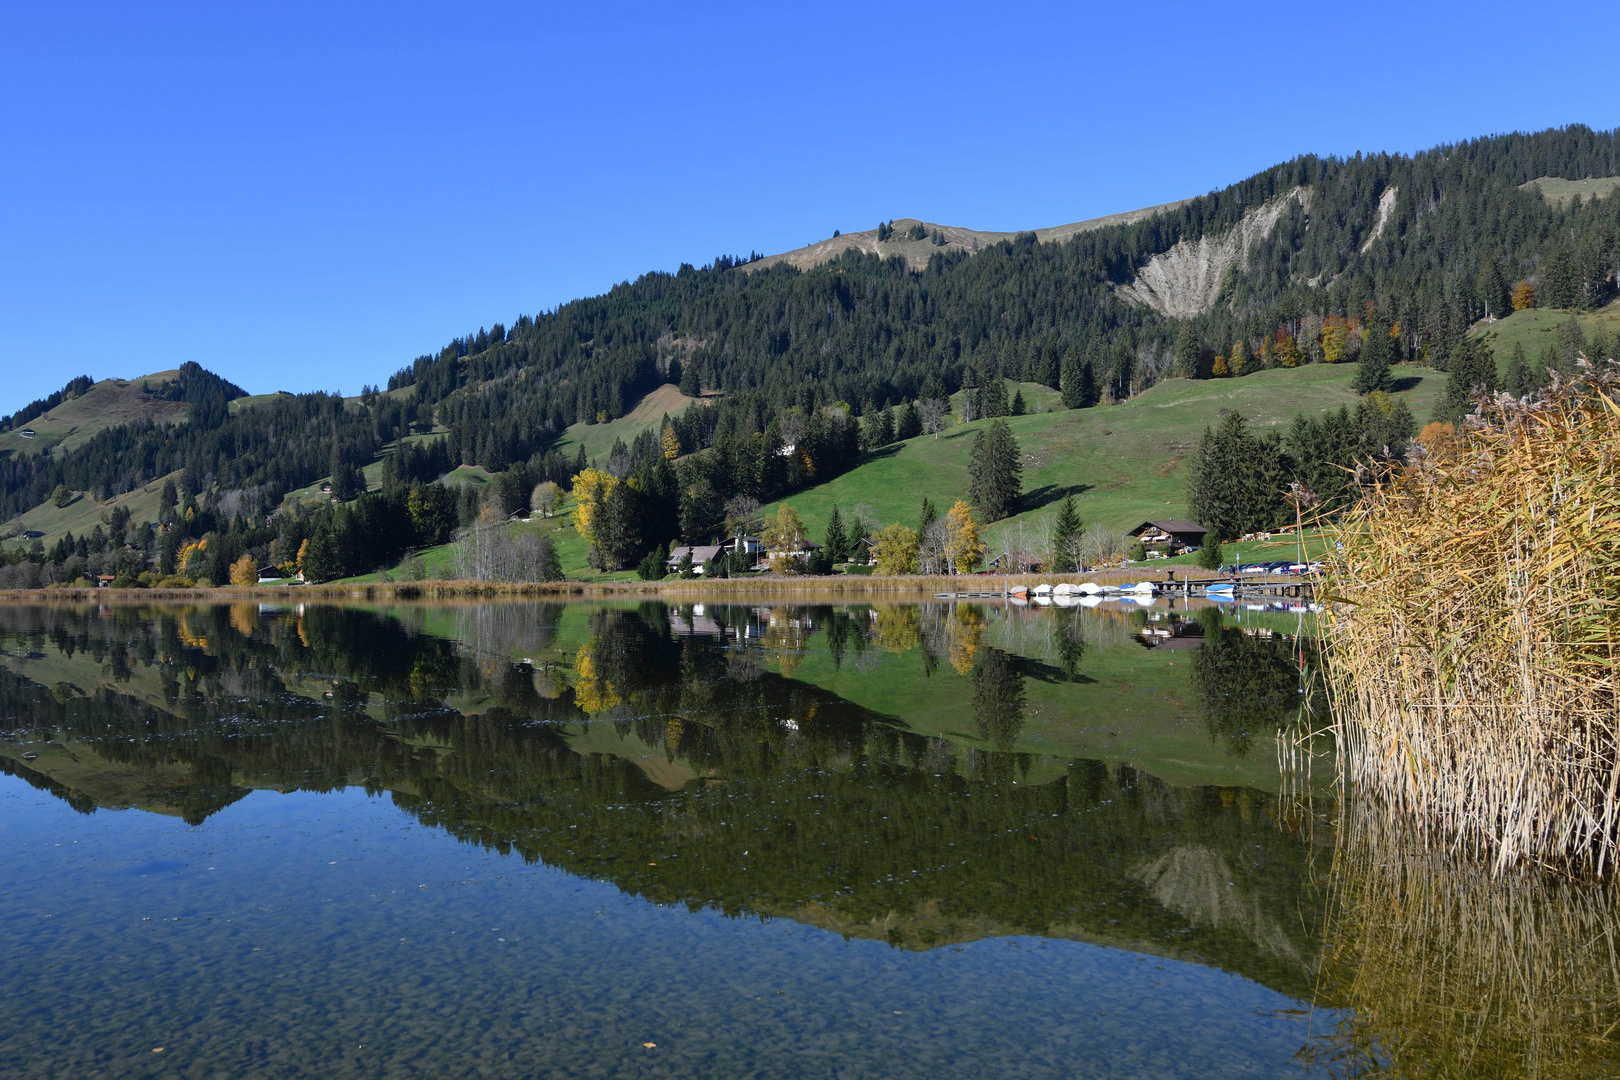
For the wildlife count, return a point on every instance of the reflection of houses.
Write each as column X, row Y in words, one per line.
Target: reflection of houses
column 1173, row 536
column 1177, row 634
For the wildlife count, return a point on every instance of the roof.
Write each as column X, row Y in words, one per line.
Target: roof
column 699, row 554
column 1173, row 526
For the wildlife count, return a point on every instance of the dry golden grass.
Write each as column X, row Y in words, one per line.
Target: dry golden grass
column 1446, row 969
column 1473, row 665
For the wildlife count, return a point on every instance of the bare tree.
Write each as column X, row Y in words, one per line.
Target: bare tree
column 547, row 497
column 934, row 411
column 742, row 515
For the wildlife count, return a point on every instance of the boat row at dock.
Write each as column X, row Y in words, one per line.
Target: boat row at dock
column 1089, row 593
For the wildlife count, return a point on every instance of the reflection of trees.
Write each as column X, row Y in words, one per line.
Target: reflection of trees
column 998, row 698
column 1245, row 684
column 1446, row 970
column 849, row 822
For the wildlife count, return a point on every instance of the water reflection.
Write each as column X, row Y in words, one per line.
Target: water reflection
column 687, row 754
column 1444, row 970
column 919, row 775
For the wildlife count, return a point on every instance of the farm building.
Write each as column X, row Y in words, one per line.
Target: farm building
column 1173, row 536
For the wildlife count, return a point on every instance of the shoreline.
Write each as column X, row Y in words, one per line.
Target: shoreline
column 911, row 587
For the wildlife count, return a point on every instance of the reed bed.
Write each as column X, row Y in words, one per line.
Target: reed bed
column 1472, row 657
column 1443, row 968
column 720, row 590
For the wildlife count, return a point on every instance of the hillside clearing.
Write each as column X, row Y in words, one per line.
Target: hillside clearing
column 1124, row 463
column 1534, row 327
column 598, row 439
column 109, row 403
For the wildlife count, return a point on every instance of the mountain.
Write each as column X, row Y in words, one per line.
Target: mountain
column 1305, row 262
column 919, row 241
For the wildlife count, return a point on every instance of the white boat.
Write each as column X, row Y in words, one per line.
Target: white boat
column 1043, row 589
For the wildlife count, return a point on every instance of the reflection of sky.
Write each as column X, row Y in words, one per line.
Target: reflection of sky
column 333, row 935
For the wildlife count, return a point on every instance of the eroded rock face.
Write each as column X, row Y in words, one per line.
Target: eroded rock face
column 1386, row 210
column 1196, row 884
column 1186, row 280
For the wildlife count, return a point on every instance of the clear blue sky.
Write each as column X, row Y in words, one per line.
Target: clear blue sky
column 308, row 196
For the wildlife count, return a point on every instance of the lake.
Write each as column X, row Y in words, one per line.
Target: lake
column 761, row 840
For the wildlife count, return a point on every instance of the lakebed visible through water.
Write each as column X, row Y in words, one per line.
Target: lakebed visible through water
column 651, row 839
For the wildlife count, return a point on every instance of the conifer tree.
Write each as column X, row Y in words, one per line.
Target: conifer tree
column 1373, row 372
column 836, row 542
column 1065, row 537
column 996, row 470
column 1520, row 380
column 928, row 516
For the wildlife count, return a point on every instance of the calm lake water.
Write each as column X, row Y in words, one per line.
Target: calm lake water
column 736, row 841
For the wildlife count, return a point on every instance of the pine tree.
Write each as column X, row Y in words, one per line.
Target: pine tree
column 1470, row 367
column 1075, row 371
column 1521, row 381
column 909, row 424
column 928, row 516
column 689, row 381
column 1373, row 372
column 1018, row 407
column 1065, row 533
column 836, row 542
column 1186, row 353
column 996, row 470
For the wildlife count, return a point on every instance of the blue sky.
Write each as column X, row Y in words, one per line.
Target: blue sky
column 308, row 196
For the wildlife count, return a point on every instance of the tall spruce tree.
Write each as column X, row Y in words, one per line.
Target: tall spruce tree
column 1469, row 368
column 996, row 470
column 1376, row 352
column 928, row 516
column 836, row 542
column 1065, row 534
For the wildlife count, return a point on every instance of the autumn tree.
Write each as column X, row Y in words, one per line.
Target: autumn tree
column 1524, row 295
column 896, row 550
column 963, row 548
column 243, row 571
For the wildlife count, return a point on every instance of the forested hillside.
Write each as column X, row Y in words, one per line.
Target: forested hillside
column 1373, row 260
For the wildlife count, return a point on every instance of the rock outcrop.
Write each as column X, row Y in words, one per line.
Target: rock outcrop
column 1186, row 280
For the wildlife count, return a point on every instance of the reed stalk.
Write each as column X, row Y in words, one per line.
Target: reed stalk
column 1474, row 629
column 1438, row 967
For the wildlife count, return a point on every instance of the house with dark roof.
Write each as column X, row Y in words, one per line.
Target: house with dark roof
column 1171, row 533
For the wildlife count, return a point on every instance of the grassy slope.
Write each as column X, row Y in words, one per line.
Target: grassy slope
column 1534, row 328
column 83, row 514
column 1125, row 463
column 598, row 438
column 1556, row 189
column 108, row 403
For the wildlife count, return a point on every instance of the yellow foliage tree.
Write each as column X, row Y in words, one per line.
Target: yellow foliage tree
column 896, row 550
column 1335, row 339
column 590, row 489
column 962, row 545
column 1220, row 369
column 784, row 532
column 1238, row 361
column 1286, row 352
column 303, row 549
column 672, row 442
column 243, row 572
column 1524, row 295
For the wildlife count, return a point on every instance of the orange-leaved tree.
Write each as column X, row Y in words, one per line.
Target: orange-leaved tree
column 244, row 572
column 962, row 545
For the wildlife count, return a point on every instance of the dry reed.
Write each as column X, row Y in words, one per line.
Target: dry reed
column 1445, row 969
column 1472, row 660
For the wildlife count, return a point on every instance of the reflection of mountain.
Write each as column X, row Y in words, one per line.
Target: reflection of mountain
column 677, row 768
